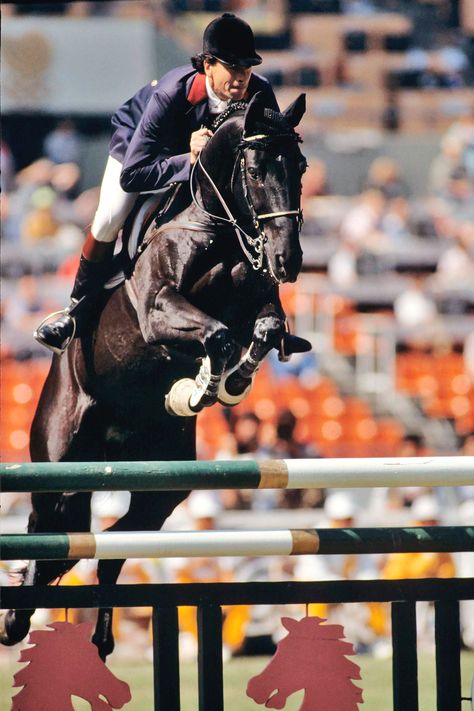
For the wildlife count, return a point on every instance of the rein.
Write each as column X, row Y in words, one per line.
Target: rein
column 246, row 241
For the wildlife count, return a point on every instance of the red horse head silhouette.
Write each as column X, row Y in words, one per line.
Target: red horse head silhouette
column 311, row 657
column 65, row 663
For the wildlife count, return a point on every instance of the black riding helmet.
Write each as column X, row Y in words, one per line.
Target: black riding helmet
column 230, row 40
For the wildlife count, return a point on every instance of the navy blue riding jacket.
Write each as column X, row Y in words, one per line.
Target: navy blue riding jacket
column 153, row 128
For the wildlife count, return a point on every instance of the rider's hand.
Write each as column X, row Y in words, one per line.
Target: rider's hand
column 198, row 141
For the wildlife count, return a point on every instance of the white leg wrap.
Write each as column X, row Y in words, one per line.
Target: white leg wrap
column 185, row 396
column 224, row 397
column 177, row 400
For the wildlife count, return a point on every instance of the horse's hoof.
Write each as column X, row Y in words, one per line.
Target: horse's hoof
column 104, row 647
column 12, row 629
column 177, row 400
column 228, row 399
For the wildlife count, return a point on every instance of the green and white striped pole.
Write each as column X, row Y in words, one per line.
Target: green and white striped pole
column 237, row 474
column 189, row 544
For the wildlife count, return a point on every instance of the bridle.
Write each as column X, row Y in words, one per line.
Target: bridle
column 246, row 241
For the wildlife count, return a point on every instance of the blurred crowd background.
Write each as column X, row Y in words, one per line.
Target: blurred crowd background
column 386, row 295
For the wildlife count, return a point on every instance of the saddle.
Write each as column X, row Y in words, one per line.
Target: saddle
column 158, row 207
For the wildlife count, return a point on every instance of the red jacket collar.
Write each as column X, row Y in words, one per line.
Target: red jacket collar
column 197, row 91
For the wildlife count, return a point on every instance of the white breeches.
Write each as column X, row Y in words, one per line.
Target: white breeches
column 114, row 204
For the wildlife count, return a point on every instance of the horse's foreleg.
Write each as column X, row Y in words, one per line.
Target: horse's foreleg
column 169, row 318
column 220, row 348
column 187, row 397
column 237, row 382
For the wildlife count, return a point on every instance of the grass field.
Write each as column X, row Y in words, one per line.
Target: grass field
column 376, row 683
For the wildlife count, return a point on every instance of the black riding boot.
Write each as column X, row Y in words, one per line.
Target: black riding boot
column 90, row 278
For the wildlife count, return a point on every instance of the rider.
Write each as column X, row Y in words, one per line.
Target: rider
column 158, row 135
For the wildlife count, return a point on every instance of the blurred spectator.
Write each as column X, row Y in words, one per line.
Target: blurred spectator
column 397, row 500
column 463, row 129
column 417, row 315
column 22, row 302
column 396, row 222
column 465, row 569
column 358, row 7
column 361, row 224
column 342, row 264
column 385, row 175
column 40, row 222
column 303, row 366
column 243, row 441
column 390, row 118
column 425, row 511
column 315, row 181
column 359, row 620
column 412, row 445
column 251, row 629
column 287, row 446
column 451, row 62
column 65, row 180
column 456, row 265
column 467, row 450
column 468, row 354
column 108, row 507
column 445, row 162
column 203, row 508
column 458, row 195
column 246, row 434
column 417, row 59
column 37, row 174
column 7, row 163
column 16, row 205
column 63, row 144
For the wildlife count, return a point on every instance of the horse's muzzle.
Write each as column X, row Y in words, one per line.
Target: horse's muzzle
column 287, row 269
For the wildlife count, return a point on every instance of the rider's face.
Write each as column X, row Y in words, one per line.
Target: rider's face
column 228, row 81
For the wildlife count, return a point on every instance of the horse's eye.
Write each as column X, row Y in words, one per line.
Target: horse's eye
column 253, row 172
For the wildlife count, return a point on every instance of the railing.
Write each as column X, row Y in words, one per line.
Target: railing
column 239, row 474
column 210, row 597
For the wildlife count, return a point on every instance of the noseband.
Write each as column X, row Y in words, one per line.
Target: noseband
column 246, row 241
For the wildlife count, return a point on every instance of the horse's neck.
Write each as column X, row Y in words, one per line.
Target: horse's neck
column 218, row 162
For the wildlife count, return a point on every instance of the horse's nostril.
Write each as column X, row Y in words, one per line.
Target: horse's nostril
column 281, row 265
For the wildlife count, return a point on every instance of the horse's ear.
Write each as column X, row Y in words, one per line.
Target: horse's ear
column 295, row 111
column 289, row 624
column 253, row 111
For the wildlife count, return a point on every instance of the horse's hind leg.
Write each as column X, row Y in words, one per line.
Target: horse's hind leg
column 49, row 515
column 148, row 511
column 15, row 624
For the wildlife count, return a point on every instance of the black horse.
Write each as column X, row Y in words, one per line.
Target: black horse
column 188, row 328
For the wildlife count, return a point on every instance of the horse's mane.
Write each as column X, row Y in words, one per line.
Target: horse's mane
column 273, row 123
column 229, row 111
